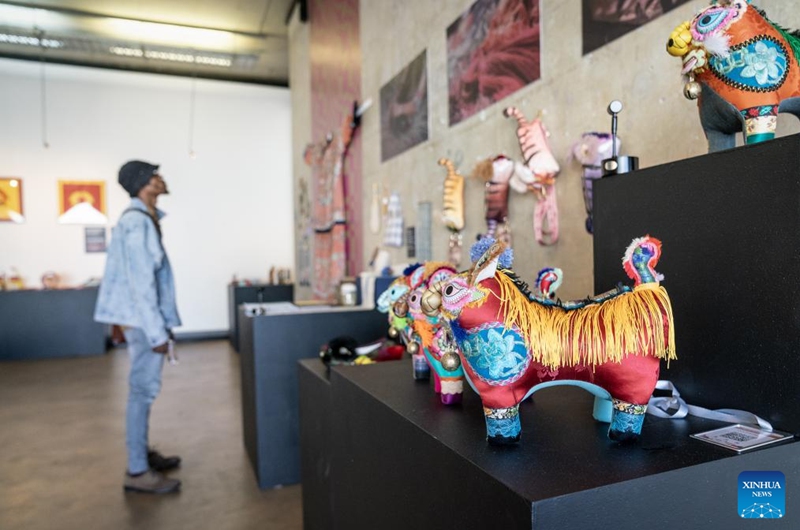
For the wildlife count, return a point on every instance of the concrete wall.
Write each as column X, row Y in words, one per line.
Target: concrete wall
column 657, row 124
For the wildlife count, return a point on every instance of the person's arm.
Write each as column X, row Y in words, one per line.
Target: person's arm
column 144, row 256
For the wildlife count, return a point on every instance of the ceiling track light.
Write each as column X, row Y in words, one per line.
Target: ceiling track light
column 27, row 40
column 174, row 56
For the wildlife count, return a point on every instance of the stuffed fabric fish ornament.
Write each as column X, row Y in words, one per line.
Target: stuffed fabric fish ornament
column 511, row 342
column 743, row 68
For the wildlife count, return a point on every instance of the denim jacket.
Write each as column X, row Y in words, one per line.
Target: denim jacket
column 138, row 288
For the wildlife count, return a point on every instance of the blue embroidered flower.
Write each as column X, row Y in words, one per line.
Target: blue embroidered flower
column 495, row 357
column 763, row 64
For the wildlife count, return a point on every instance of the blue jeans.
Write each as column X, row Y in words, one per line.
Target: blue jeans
column 144, row 385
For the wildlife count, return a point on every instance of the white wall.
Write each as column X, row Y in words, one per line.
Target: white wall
column 230, row 208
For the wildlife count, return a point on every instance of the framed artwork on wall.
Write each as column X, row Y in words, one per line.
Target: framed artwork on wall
column 82, row 202
column 492, row 51
column 404, row 109
column 608, row 20
column 11, row 200
column 94, row 239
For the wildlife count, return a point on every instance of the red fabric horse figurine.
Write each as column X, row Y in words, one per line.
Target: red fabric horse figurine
column 510, row 342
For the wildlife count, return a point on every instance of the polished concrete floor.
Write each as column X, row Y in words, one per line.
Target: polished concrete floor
column 62, row 454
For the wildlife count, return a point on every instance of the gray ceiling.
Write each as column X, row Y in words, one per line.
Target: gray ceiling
column 249, row 41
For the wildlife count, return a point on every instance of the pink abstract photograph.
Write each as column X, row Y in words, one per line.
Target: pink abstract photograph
column 404, row 109
column 492, row 51
column 607, row 20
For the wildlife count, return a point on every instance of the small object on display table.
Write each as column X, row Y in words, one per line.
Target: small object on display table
column 742, row 69
column 511, row 342
column 345, row 350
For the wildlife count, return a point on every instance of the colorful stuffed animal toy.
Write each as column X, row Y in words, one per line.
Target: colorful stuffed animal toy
column 511, row 342
column 433, row 339
column 590, row 151
column 743, row 67
column 400, row 325
column 544, row 169
column 423, row 335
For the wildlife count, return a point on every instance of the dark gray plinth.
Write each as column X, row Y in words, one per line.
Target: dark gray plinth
column 315, row 444
column 48, row 324
column 730, row 227
column 252, row 294
column 270, row 346
column 400, row 459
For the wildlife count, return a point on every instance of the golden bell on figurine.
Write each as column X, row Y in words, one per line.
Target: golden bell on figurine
column 692, row 89
column 412, row 348
column 393, row 333
column 450, row 361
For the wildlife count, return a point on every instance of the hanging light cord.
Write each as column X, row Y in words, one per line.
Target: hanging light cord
column 43, row 83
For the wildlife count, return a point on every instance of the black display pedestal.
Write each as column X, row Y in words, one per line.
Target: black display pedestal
column 270, row 346
column 315, row 444
column 252, row 294
column 38, row 324
column 730, row 227
column 399, row 459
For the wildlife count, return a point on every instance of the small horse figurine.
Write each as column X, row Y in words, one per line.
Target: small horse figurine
column 511, row 342
column 743, row 67
column 423, row 335
column 401, row 325
column 448, row 375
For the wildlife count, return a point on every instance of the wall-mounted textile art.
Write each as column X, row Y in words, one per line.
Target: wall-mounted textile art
column 11, row 200
column 492, row 51
column 404, row 109
column 607, row 20
column 82, row 202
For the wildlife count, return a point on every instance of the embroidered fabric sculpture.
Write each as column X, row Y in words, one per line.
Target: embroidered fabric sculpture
column 590, row 151
column 328, row 220
column 548, row 280
column 453, row 209
column 743, row 68
column 500, row 173
column 423, row 336
column 511, row 341
column 401, row 325
column 544, row 169
column 432, row 337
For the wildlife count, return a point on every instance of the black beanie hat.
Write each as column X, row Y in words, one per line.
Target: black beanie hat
column 134, row 175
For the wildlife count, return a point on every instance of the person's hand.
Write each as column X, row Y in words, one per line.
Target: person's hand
column 162, row 348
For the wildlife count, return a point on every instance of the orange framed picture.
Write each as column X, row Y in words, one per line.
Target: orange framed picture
column 82, row 202
column 11, row 200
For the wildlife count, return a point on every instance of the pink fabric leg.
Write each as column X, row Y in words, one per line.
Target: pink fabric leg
column 546, row 211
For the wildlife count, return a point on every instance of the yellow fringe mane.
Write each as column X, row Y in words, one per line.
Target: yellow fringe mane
column 635, row 323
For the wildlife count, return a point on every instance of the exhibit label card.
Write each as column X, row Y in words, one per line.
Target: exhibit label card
column 741, row 438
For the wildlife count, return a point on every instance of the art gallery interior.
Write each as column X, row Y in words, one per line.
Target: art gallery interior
column 314, row 150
